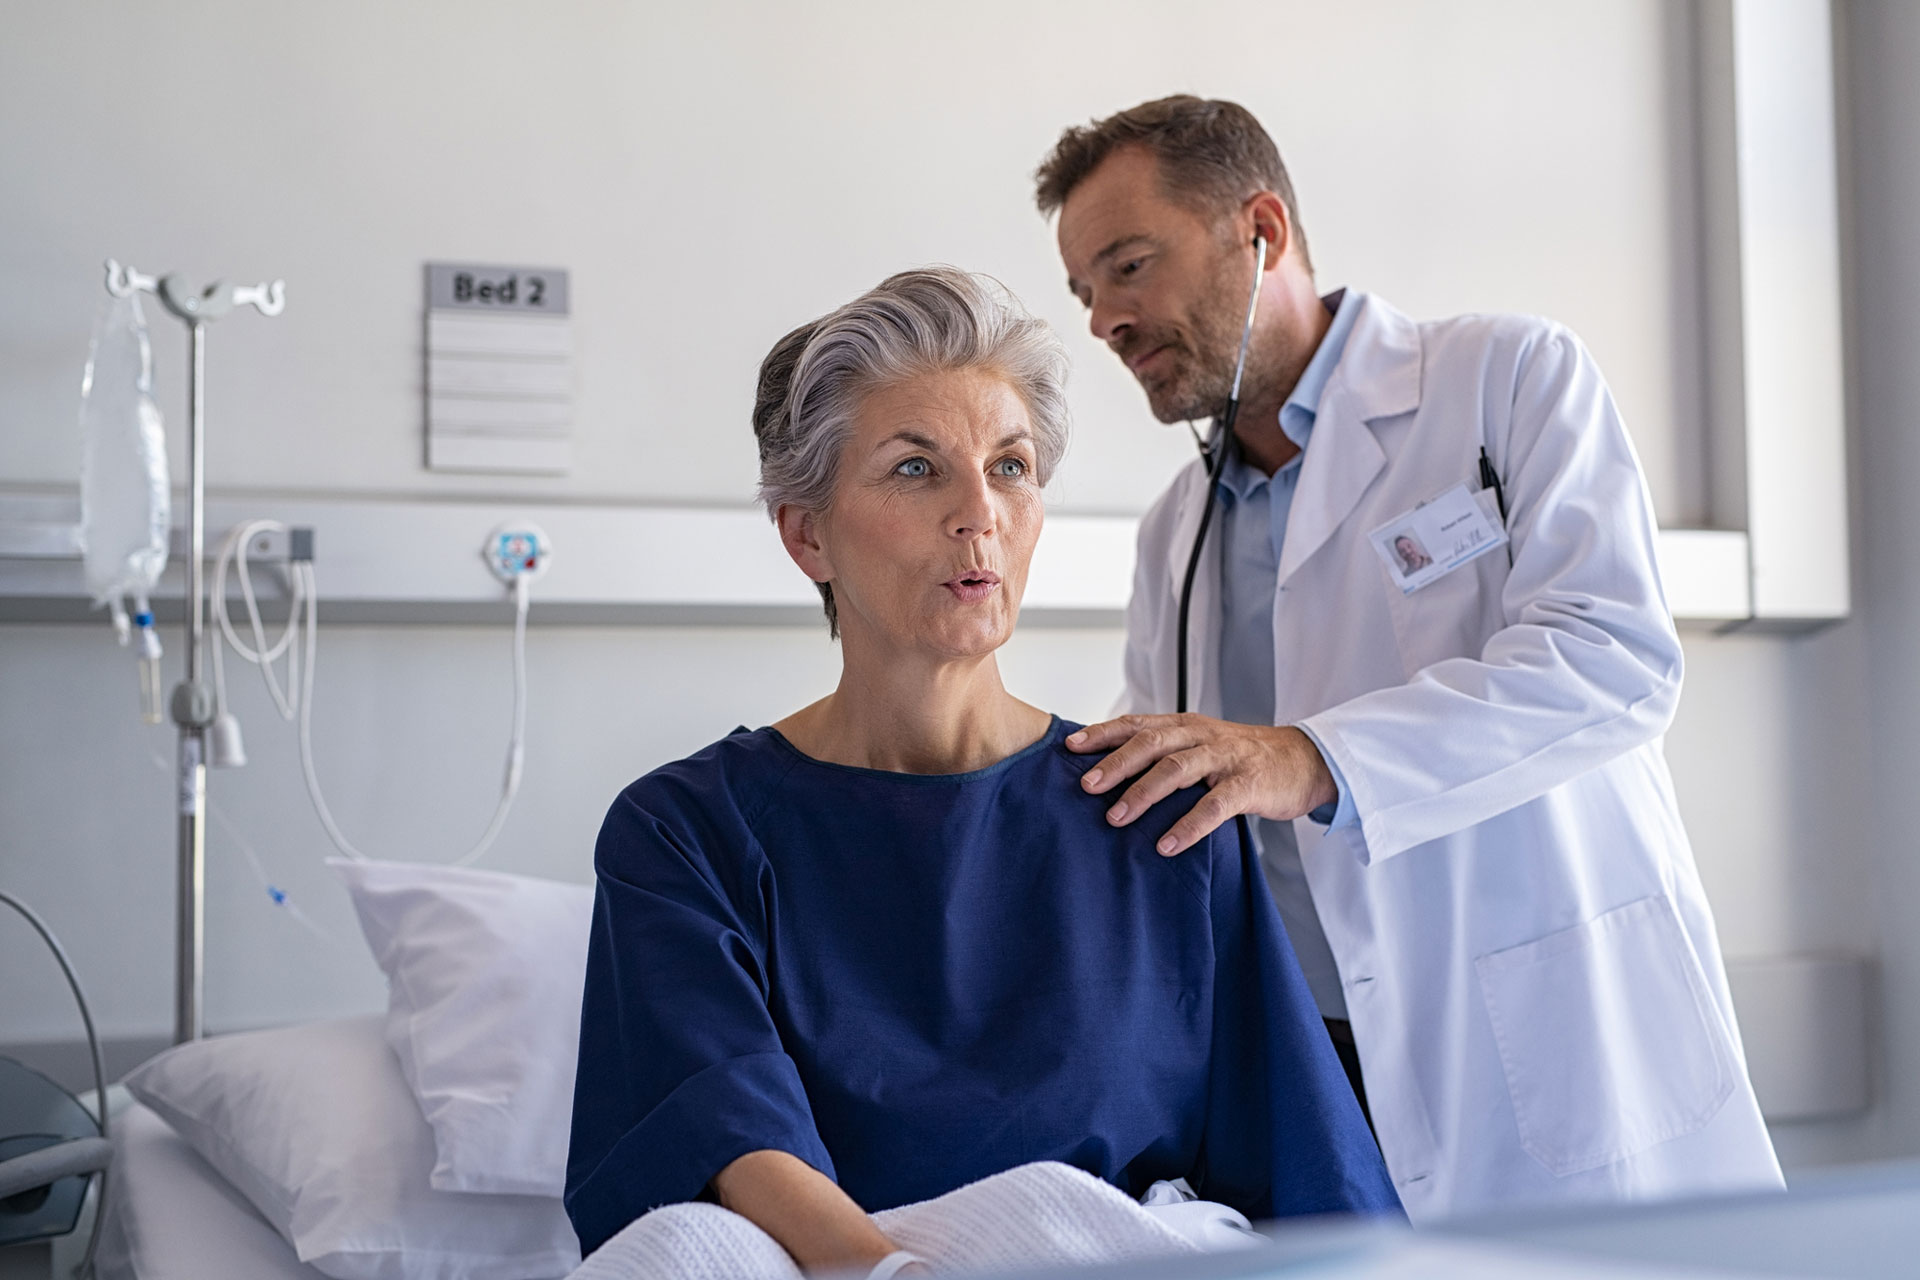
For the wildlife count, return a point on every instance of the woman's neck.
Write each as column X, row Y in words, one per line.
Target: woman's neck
column 908, row 715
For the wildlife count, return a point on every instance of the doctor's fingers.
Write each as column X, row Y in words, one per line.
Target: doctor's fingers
column 1218, row 806
column 1138, row 742
column 1175, row 772
column 1111, row 733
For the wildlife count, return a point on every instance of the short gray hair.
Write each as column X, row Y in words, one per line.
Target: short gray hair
column 929, row 320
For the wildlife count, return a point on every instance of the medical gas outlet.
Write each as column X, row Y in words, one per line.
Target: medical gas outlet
column 517, row 552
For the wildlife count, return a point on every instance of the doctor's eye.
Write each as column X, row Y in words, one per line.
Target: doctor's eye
column 914, row 468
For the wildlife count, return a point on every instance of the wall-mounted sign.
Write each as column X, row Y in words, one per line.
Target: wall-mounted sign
column 499, row 369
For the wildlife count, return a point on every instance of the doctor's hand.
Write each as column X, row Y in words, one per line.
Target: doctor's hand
column 1262, row 771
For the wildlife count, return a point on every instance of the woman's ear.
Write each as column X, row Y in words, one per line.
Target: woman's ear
column 800, row 534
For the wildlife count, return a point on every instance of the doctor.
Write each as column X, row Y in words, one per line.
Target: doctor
column 1453, row 768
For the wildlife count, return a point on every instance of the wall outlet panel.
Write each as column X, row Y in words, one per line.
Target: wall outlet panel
column 1806, row 1021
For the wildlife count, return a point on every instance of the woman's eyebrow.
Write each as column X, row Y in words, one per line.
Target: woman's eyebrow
column 913, row 438
column 919, row 441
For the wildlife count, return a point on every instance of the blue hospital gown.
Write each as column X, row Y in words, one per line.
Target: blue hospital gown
column 911, row 982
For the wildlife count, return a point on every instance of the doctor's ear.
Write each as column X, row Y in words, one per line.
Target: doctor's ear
column 1267, row 214
column 800, row 534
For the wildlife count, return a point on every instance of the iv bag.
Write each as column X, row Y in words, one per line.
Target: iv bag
column 125, row 500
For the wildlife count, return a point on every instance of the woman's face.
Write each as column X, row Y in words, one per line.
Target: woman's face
column 934, row 520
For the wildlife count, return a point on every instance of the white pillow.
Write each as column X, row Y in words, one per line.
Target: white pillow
column 486, row 972
column 316, row 1127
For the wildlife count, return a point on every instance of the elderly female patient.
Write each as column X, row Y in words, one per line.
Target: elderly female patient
column 888, row 946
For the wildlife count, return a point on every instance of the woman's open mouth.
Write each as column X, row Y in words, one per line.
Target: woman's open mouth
column 974, row 585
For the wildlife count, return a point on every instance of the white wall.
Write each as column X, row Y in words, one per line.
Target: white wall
column 409, row 736
column 1883, row 47
column 713, row 174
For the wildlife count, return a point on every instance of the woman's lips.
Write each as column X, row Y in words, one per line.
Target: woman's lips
column 973, row 586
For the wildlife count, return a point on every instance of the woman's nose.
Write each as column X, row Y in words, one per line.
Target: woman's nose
column 974, row 514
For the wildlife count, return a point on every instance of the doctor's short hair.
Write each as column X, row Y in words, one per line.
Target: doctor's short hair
column 1213, row 155
column 929, row 320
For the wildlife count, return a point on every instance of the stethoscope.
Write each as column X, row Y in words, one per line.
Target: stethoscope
column 1213, row 453
column 1214, row 450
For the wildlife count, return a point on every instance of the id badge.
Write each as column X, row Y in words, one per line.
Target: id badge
column 1435, row 538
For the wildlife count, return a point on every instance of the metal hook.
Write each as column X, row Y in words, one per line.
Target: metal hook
column 123, row 281
column 268, row 299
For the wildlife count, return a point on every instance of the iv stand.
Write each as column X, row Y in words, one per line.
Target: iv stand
column 192, row 704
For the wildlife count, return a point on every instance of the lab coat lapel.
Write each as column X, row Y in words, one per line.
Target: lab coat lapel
column 1203, row 637
column 1378, row 376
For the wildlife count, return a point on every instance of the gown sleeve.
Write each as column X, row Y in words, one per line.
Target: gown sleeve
column 681, row 1067
column 1284, row 1134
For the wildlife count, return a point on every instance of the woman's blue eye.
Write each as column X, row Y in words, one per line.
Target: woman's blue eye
column 914, row 467
column 1011, row 467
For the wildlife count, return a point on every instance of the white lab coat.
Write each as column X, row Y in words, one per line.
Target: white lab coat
column 1528, row 958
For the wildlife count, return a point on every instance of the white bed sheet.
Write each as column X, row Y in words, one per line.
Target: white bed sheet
column 171, row 1217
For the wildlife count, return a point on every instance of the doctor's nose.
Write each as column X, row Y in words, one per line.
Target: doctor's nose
column 1108, row 322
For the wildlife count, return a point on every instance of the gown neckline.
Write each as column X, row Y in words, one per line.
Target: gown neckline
column 1052, row 735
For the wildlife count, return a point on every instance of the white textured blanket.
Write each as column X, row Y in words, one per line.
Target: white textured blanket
column 1035, row 1215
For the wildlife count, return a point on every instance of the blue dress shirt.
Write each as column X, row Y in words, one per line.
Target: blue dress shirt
column 1255, row 507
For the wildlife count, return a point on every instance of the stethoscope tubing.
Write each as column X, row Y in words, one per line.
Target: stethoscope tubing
column 1214, row 453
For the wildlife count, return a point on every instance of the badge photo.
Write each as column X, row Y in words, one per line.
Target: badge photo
column 1435, row 538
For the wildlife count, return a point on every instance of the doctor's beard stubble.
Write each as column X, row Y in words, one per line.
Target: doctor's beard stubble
column 1204, row 348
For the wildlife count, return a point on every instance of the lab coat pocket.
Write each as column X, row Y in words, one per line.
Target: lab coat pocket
column 1441, row 620
column 1609, row 1038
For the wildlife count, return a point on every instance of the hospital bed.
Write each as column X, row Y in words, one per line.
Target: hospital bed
column 172, row 1217
column 175, row 1218
column 351, row 1137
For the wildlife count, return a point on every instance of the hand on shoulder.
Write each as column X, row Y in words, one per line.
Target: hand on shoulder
column 1263, row 771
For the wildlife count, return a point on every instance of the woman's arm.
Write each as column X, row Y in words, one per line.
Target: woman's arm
column 681, row 1067
column 802, row 1208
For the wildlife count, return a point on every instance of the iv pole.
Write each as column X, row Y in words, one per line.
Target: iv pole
column 192, row 704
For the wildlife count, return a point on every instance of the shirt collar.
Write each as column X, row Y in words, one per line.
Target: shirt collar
column 1303, row 405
